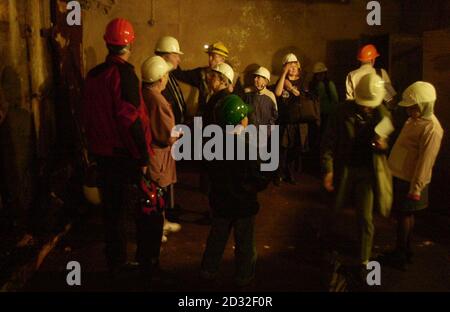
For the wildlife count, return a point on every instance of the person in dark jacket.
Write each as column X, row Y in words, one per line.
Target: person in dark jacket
column 116, row 125
column 169, row 49
column 197, row 77
column 261, row 100
column 219, row 80
column 233, row 200
column 288, row 90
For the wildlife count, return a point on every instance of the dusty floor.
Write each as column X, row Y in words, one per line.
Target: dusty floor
column 291, row 257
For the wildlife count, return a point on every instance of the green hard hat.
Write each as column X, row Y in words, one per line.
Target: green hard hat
column 233, row 110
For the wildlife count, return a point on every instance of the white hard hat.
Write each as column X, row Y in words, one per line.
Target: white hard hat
column 370, row 91
column 168, row 44
column 417, row 93
column 154, row 68
column 319, row 67
column 226, row 70
column 263, row 72
column 290, row 58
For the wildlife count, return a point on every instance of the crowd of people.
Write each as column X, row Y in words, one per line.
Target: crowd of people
column 129, row 126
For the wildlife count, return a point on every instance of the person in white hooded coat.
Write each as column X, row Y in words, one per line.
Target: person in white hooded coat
column 411, row 162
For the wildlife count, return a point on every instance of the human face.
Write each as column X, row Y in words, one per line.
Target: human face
column 215, row 59
column 260, row 83
column 414, row 111
column 214, row 81
column 293, row 69
column 173, row 59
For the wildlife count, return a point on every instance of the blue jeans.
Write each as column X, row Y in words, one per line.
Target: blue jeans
column 245, row 247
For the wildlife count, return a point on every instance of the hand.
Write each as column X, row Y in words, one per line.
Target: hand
column 177, row 133
column 286, row 68
column 144, row 170
column 380, row 144
column 328, row 181
column 295, row 91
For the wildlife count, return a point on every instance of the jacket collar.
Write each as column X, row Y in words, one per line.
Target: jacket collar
column 114, row 59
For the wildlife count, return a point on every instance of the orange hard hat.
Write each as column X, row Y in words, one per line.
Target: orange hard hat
column 368, row 53
column 119, row 32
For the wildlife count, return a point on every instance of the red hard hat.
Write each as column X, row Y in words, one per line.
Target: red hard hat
column 119, row 32
column 368, row 53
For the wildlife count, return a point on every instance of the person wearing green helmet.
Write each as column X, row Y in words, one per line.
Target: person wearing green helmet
column 233, row 199
column 233, row 111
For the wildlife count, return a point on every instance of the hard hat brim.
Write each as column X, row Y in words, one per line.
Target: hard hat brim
column 323, row 70
column 160, row 51
column 365, row 59
column 404, row 103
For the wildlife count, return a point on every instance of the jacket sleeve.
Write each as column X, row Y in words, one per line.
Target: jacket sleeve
column 192, row 77
column 429, row 148
column 162, row 122
column 127, row 102
column 349, row 88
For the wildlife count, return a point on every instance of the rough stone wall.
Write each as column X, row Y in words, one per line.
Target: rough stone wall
column 25, row 87
column 255, row 31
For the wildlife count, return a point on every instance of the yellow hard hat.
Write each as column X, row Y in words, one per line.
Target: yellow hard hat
column 218, row 48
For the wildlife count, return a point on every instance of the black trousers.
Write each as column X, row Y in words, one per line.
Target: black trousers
column 116, row 178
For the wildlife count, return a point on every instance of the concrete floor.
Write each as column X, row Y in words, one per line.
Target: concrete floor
column 291, row 257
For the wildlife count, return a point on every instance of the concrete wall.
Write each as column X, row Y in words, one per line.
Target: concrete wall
column 436, row 69
column 255, row 31
column 424, row 15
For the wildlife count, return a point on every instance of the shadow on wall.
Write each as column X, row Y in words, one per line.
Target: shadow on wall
column 17, row 165
column 90, row 58
column 340, row 60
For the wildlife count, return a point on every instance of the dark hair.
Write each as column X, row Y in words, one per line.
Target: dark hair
column 116, row 50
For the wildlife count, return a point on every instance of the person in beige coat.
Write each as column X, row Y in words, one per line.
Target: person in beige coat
column 411, row 162
column 155, row 75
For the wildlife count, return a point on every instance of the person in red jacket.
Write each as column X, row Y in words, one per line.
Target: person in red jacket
column 116, row 124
